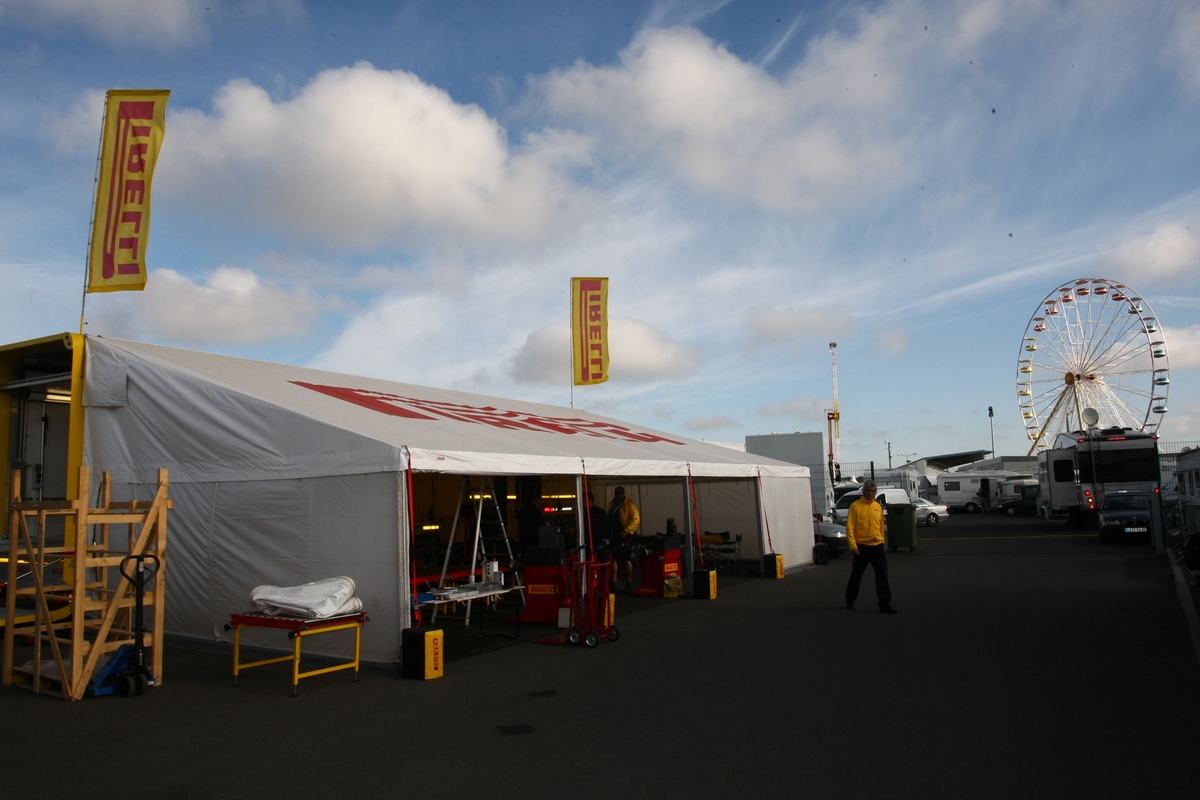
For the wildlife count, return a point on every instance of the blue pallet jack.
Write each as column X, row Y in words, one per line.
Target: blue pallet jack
column 125, row 673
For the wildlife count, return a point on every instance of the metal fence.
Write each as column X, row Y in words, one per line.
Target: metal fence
column 1168, row 454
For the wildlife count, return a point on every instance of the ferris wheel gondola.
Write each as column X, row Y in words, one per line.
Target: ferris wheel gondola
column 1092, row 343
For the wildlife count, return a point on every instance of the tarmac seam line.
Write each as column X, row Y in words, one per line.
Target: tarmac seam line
column 1189, row 607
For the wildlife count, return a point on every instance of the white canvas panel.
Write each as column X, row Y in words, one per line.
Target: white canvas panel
column 787, row 505
column 204, row 432
column 214, row 417
column 729, row 505
column 226, row 538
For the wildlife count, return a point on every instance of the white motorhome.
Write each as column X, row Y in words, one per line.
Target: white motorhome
column 973, row 491
column 1084, row 467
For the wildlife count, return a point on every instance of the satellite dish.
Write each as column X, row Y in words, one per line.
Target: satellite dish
column 1090, row 417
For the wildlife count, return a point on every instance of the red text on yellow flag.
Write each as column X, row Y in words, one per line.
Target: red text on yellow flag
column 133, row 132
column 589, row 329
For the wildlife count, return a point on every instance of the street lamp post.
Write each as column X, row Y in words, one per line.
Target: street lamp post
column 992, row 428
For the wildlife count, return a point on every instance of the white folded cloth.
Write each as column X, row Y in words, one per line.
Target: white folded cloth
column 330, row 597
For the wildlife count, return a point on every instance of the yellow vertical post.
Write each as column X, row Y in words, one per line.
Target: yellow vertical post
column 10, row 600
column 160, row 579
column 79, row 593
column 74, row 343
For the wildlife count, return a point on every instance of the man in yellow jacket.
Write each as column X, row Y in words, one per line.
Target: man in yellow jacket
column 864, row 530
column 623, row 523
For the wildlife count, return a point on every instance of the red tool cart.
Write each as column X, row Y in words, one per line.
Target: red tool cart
column 547, row 589
column 656, row 567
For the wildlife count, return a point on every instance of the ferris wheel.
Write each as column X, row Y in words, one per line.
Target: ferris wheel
column 1092, row 343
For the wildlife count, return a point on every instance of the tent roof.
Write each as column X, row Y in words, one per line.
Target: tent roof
column 279, row 420
column 950, row 460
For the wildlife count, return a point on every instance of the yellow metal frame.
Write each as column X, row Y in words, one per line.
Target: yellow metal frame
column 298, row 637
column 8, row 355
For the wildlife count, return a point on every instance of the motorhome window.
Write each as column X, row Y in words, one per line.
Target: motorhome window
column 1119, row 466
column 1064, row 470
column 950, row 486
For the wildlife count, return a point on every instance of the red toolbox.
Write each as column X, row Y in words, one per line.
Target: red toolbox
column 545, row 592
column 656, row 568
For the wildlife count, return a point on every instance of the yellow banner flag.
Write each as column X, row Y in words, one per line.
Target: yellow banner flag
column 589, row 330
column 134, row 123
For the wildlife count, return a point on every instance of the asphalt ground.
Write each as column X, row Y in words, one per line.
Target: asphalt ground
column 1026, row 660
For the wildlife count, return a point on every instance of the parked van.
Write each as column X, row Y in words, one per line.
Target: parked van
column 887, row 495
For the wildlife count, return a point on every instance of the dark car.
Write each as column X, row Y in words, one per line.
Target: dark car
column 833, row 534
column 1124, row 515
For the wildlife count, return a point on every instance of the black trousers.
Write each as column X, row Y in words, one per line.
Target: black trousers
column 872, row 554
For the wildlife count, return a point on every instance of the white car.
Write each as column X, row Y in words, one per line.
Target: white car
column 928, row 513
column 885, row 495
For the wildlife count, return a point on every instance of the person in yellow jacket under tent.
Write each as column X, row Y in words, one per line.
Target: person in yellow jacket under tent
column 864, row 530
column 623, row 522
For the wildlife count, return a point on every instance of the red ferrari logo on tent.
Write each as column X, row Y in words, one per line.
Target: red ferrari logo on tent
column 414, row 408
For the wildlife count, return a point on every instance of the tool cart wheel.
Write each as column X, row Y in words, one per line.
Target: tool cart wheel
column 126, row 685
column 613, row 634
column 592, row 639
column 574, row 636
column 141, row 682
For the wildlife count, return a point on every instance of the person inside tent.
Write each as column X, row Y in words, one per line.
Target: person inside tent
column 623, row 520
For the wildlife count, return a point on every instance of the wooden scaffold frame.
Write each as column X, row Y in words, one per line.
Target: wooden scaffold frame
column 100, row 600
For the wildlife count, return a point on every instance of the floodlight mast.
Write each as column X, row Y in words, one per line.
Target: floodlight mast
column 833, row 422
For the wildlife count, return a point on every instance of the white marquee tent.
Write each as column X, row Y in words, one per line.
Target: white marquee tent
column 283, row 475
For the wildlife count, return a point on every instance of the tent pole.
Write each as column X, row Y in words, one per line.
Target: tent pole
column 691, row 536
column 474, row 546
column 760, row 516
column 580, row 499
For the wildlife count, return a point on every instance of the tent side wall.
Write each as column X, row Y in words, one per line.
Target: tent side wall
column 227, row 537
column 787, row 506
column 729, row 505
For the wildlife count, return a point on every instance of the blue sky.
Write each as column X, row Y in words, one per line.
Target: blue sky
column 404, row 190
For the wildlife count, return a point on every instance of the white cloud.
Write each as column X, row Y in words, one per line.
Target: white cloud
column 1170, row 250
column 154, row 23
column 807, row 408
column 362, row 156
column 820, row 134
column 77, row 132
column 893, row 342
column 1183, row 347
column 782, row 325
column 640, row 353
column 712, row 423
column 234, row 306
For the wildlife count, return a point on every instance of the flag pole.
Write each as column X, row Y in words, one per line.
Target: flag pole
column 87, row 266
column 571, row 336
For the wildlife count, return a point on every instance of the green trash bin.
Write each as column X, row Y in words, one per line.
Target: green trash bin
column 901, row 526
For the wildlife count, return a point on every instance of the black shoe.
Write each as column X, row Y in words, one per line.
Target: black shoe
column 887, row 610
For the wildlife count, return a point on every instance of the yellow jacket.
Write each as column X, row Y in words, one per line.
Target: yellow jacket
column 864, row 524
column 628, row 517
